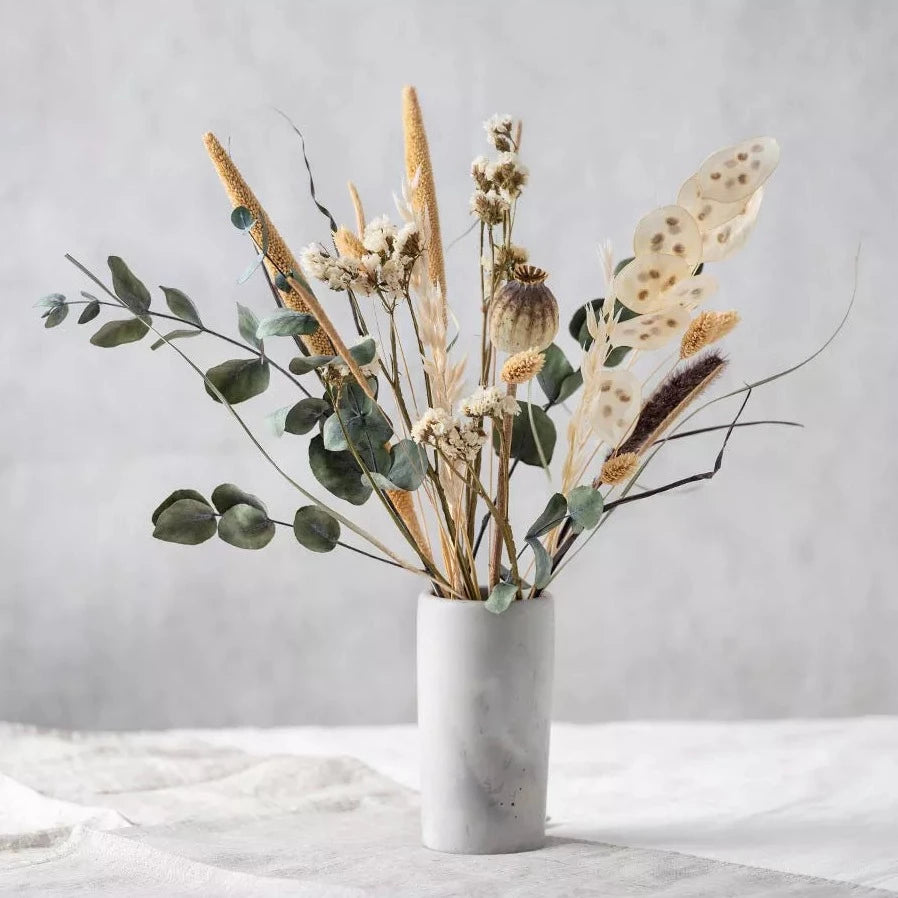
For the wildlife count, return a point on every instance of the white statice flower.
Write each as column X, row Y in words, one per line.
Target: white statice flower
column 489, row 402
column 508, row 174
column 432, row 425
column 480, row 168
column 498, row 131
column 407, row 243
column 314, row 260
column 457, row 440
column 489, row 206
column 507, row 258
column 341, row 273
column 379, row 235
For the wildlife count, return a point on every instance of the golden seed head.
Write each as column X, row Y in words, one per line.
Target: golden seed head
column 619, row 468
column 523, row 366
column 348, row 244
column 524, row 312
column 529, row 274
column 707, row 328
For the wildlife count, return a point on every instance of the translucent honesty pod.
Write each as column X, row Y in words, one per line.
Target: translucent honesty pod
column 670, row 230
column 616, row 406
column 641, row 284
column 652, row 331
column 729, row 237
column 690, row 292
column 738, row 171
column 708, row 214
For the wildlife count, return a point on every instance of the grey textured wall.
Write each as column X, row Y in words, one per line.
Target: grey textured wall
column 767, row 592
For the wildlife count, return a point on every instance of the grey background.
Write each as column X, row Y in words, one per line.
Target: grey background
column 768, row 592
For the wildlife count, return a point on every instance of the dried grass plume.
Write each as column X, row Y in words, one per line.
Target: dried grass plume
column 523, row 366
column 619, row 467
column 707, row 328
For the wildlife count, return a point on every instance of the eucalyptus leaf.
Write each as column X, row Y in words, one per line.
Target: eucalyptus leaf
column 303, row 364
column 555, row 371
column 585, row 506
column 523, row 444
column 251, row 269
column 380, row 481
column 50, row 301
column 359, row 420
column 242, row 218
column 501, row 597
column 89, row 312
column 616, row 356
column 334, row 437
column 246, row 527
column 128, row 287
column 117, row 333
column 306, row 414
column 364, row 351
column 239, row 379
column 175, row 335
column 56, row 315
column 550, row 517
column 622, row 265
column 226, row 496
column 569, row 386
column 286, row 323
column 408, row 465
column 338, row 472
column 174, row 497
column 543, row 567
column 315, row 529
column 181, row 305
column 186, row 521
column 248, row 324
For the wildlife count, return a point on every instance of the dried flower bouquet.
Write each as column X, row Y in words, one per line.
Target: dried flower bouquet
column 400, row 412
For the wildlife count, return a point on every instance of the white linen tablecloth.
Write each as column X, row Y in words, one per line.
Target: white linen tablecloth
column 785, row 808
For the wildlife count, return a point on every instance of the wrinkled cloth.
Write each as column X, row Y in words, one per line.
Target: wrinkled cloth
column 787, row 808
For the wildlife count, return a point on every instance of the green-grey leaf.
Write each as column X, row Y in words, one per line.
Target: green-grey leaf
column 585, row 506
column 303, row 364
column 128, row 287
column 242, row 218
column 616, row 356
column 90, row 311
column 569, row 386
column 186, row 521
column 226, row 496
column 364, row 351
column 248, row 324
column 550, row 517
column 116, row 333
column 174, row 497
column 409, row 465
column 181, row 305
column 175, row 335
column 246, row 527
column 556, row 369
column 501, row 597
column 315, row 529
column 523, row 445
column 239, row 379
column 380, row 481
column 622, row 265
column 338, row 472
column 56, row 315
column 286, row 323
column 334, row 438
column 50, row 301
column 306, row 414
column 543, row 568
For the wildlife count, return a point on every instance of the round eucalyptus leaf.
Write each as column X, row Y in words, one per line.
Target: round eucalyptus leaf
column 523, row 442
column 239, row 379
column 501, row 597
column 50, row 301
column 556, row 369
column 89, row 312
column 303, row 364
column 408, row 465
column 550, row 517
column 117, row 333
column 616, row 356
column 306, row 414
column 174, row 497
column 543, row 564
column 56, row 315
column 181, row 305
column 315, row 529
column 364, row 351
column 246, row 527
column 334, row 438
column 226, row 496
column 338, row 472
column 242, row 218
column 585, row 506
column 128, row 287
column 286, row 323
column 186, row 521
column 248, row 323
column 622, row 264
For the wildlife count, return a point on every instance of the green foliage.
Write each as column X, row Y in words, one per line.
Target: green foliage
column 128, row 287
column 501, row 597
column 239, row 379
column 242, row 218
column 585, row 505
column 248, row 324
column 305, row 415
column 315, row 529
column 543, row 567
column 360, row 421
column 303, row 364
column 338, row 472
column 174, row 335
column 523, row 444
column 181, row 305
column 117, row 333
column 550, row 517
column 186, row 521
column 557, row 378
column 50, row 301
column 89, row 312
column 56, row 315
column 364, row 351
column 622, row 265
column 286, row 323
column 174, row 497
column 408, row 465
column 226, row 496
column 246, row 527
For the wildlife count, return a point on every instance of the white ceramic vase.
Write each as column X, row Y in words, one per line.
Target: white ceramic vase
column 484, row 707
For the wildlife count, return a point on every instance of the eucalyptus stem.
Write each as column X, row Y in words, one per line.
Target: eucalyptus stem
column 343, row 545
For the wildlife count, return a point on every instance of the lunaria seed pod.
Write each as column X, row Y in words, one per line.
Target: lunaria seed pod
column 524, row 313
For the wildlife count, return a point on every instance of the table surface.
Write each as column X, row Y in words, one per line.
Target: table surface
column 675, row 809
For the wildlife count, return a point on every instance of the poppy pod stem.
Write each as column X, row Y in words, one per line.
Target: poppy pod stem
column 501, row 489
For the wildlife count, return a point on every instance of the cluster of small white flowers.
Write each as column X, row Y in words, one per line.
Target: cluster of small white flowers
column 339, row 273
column 507, row 258
column 498, row 182
column 456, row 439
column 489, row 206
column 489, row 402
column 498, row 131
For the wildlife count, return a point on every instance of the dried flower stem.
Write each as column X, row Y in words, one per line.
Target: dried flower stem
column 501, row 490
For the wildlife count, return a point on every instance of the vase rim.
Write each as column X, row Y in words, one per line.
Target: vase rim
column 429, row 595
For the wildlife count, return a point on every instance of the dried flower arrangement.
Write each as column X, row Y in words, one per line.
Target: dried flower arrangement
column 392, row 417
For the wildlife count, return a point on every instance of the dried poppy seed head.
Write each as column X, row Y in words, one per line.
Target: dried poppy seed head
column 529, row 274
column 522, row 366
column 348, row 244
column 707, row 328
column 619, row 468
column 524, row 313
